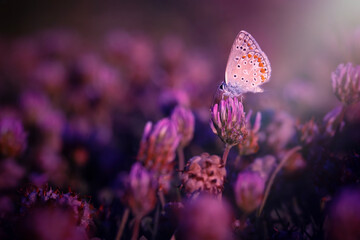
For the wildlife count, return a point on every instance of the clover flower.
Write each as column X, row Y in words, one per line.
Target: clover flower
column 334, row 121
column 139, row 191
column 204, row 173
column 249, row 191
column 157, row 149
column 344, row 216
column 12, row 137
column 346, row 83
column 185, row 123
column 264, row 165
column 228, row 121
column 205, row 218
column 41, row 196
column 250, row 144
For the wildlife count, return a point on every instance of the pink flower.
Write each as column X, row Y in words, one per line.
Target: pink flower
column 346, row 83
column 205, row 218
column 228, row 121
column 250, row 144
column 249, row 191
column 158, row 146
column 185, row 123
column 140, row 191
column 344, row 217
column 12, row 137
column 334, row 121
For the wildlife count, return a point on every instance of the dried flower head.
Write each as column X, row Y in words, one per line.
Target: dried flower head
column 12, row 137
column 139, row 191
column 205, row 218
column 185, row 123
column 81, row 209
column 344, row 217
column 294, row 163
column 308, row 131
column 249, row 191
column 204, row 173
column 228, row 121
column 346, row 83
column 250, row 144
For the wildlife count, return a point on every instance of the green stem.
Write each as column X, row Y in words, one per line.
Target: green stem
column 273, row 175
column 122, row 224
column 226, row 153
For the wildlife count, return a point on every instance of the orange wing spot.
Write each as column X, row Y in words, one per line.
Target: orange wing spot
column 259, row 59
column 251, row 48
column 249, row 44
column 261, row 64
column 255, row 56
column 244, row 56
column 262, row 78
column 262, row 70
column 249, row 55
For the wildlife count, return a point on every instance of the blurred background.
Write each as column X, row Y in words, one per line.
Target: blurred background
column 84, row 77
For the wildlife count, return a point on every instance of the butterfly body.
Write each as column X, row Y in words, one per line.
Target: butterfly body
column 247, row 68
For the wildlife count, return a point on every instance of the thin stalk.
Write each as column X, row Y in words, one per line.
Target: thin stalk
column 226, row 153
column 162, row 199
column 135, row 234
column 180, row 152
column 124, row 219
column 273, row 175
column 156, row 221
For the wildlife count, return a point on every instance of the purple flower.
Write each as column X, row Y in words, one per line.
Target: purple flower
column 158, row 146
column 249, row 191
column 10, row 174
column 185, row 123
column 250, row 144
column 139, row 191
column 346, row 83
column 334, row 121
column 228, row 121
column 12, row 137
column 204, row 173
column 205, row 218
column 344, row 217
column 264, row 165
column 280, row 131
column 46, row 196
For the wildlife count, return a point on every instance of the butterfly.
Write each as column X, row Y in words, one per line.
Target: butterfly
column 247, row 68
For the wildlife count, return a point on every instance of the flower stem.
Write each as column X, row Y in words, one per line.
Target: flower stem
column 162, row 199
column 226, row 153
column 135, row 234
column 180, row 152
column 122, row 224
column 273, row 175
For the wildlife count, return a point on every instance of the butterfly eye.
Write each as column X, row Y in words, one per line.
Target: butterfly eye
column 221, row 86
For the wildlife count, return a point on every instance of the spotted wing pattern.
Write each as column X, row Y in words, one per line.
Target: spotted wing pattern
column 248, row 67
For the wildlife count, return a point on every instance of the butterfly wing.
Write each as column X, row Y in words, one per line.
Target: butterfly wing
column 248, row 67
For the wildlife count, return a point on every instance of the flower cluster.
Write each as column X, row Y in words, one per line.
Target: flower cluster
column 346, row 83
